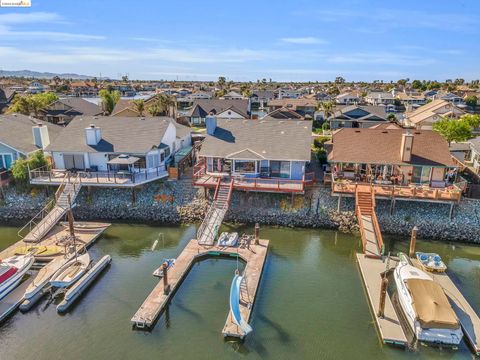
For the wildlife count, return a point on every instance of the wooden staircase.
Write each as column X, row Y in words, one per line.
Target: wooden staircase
column 208, row 231
column 46, row 219
column 367, row 220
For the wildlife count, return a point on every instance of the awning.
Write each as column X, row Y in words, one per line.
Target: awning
column 123, row 160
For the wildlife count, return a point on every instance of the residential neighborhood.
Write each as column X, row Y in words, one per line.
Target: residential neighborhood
column 239, row 180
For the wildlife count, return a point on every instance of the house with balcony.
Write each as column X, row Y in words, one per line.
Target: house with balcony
column 396, row 163
column 347, row 99
column 302, row 106
column 257, row 155
column 379, row 98
column 473, row 159
column 112, row 151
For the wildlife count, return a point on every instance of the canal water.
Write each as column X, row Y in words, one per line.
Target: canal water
column 311, row 303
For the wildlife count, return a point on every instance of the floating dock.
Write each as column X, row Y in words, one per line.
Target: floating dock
column 79, row 287
column 467, row 316
column 13, row 299
column 254, row 256
column 389, row 326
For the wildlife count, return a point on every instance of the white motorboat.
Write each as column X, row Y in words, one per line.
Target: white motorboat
column 71, row 271
column 12, row 271
column 228, row 239
column 425, row 305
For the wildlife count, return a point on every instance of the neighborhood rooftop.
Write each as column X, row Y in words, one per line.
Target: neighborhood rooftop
column 16, row 132
column 119, row 134
column 264, row 139
column 382, row 146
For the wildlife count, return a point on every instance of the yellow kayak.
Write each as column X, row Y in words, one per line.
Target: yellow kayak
column 39, row 251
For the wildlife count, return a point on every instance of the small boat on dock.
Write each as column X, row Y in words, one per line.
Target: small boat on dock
column 71, row 271
column 159, row 271
column 425, row 305
column 12, row 271
column 431, row 262
column 228, row 239
column 87, row 227
column 39, row 251
column 77, row 289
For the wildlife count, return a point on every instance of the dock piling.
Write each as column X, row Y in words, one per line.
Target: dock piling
column 166, row 286
column 257, row 233
column 413, row 240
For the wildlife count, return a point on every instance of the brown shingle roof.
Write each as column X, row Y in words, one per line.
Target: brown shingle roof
column 381, row 146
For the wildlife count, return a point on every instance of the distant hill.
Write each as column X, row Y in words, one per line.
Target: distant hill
column 44, row 75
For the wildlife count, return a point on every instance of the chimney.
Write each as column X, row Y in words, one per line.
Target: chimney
column 40, row 136
column 93, row 135
column 406, row 146
column 211, row 124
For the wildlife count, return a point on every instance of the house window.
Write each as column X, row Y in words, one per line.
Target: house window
column 152, row 160
column 5, row 161
column 162, row 157
column 167, row 151
column 280, row 169
column 244, row 166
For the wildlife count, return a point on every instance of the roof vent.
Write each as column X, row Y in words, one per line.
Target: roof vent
column 282, row 132
column 142, row 118
column 384, row 132
column 417, row 132
column 357, row 131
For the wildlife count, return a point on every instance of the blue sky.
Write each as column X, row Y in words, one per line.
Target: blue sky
column 297, row 40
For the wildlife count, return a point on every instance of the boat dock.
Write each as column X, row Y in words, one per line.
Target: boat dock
column 254, row 256
column 389, row 326
column 467, row 316
column 12, row 301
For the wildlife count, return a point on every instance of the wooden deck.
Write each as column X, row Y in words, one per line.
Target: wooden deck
column 413, row 192
column 98, row 179
column 467, row 316
column 157, row 300
column 257, row 184
column 389, row 327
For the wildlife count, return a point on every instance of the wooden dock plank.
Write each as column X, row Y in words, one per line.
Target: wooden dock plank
column 467, row 316
column 154, row 304
column 389, row 326
column 253, row 273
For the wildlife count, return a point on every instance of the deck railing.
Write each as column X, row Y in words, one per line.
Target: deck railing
column 413, row 191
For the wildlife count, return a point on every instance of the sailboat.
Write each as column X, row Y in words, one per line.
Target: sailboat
column 71, row 271
column 12, row 270
column 425, row 305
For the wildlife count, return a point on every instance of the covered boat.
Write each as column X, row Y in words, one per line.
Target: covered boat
column 425, row 305
column 39, row 250
column 159, row 271
column 228, row 239
column 71, row 271
column 431, row 262
column 12, row 271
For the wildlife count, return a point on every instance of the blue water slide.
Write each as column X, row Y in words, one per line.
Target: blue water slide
column 235, row 305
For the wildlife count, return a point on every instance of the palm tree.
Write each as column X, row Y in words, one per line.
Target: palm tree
column 109, row 100
column 327, row 107
column 154, row 110
column 139, row 106
column 166, row 104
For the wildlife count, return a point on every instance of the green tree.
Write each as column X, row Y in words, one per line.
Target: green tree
column 20, row 166
column 471, row 100
column 453, row 130
column 472, row 120
column 32, row 104
column 109, row 100
column 417, row 84
column 166, row 105
column 327, row 107
column 139, row 106
column 221, row 81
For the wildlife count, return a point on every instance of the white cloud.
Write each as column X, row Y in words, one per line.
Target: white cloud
column 29, row 18
column 307, row 40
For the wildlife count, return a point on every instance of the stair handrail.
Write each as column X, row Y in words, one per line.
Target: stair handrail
column 61, row 187
column 362, row 228
column 378, row 233
column 217, row 187
column 36, row 219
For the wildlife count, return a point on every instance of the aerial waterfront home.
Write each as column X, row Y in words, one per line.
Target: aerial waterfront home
column 258, row 155
column 21, row 136
column 222, row 108
column 409, row 164
column 357, row 116
column 105, row 149
column 62, row 111
column 425, row 116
